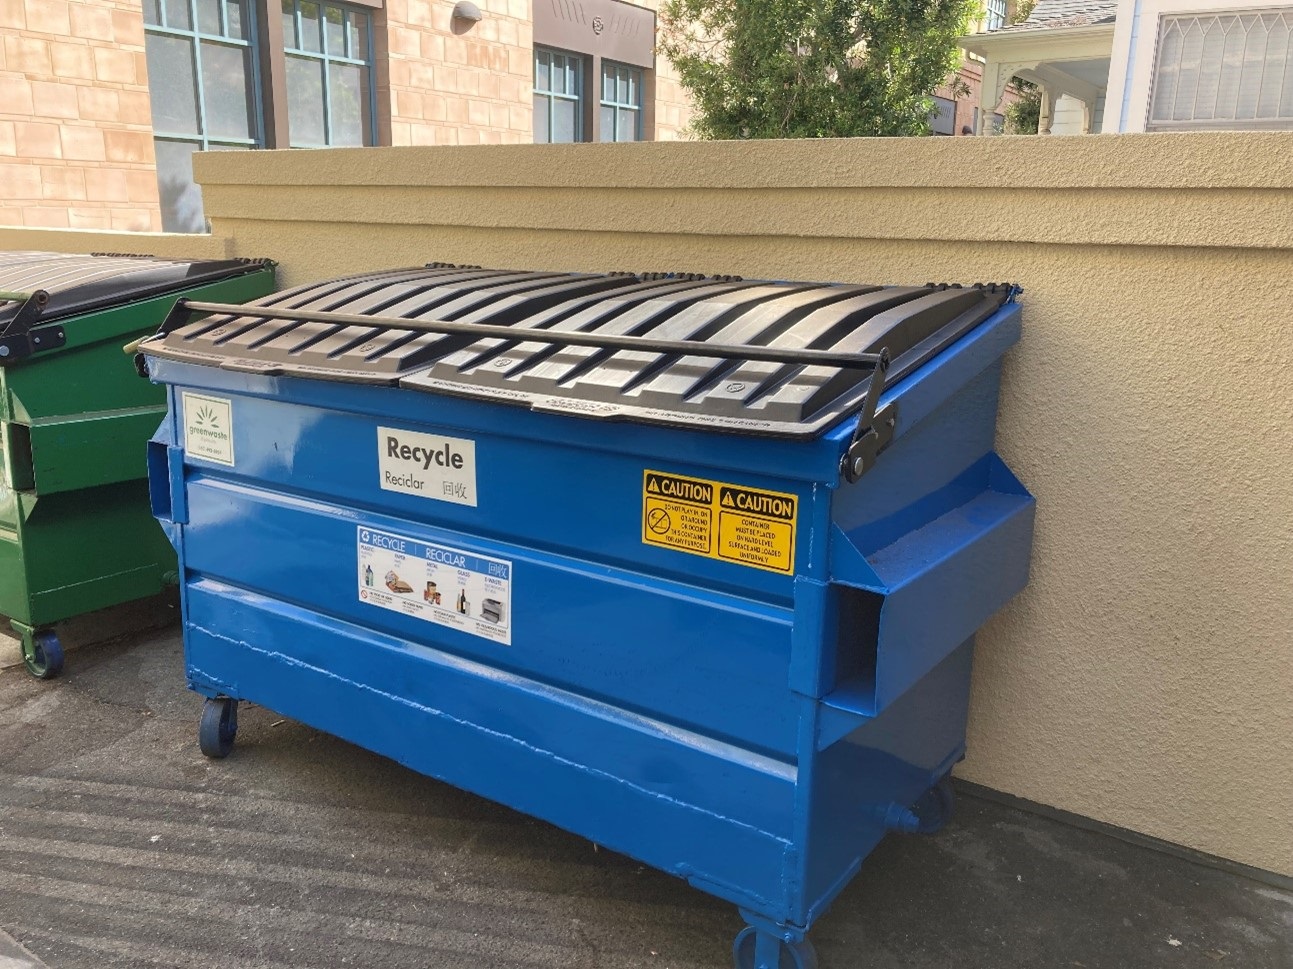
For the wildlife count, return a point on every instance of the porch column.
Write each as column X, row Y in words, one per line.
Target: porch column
column 996, row 78
column 1046, row 114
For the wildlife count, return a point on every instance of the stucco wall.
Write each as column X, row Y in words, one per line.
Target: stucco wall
column 1144, row 678
column 168, row 245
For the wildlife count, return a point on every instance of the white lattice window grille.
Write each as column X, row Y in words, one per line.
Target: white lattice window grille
column 994, row 14
column 1224, row 70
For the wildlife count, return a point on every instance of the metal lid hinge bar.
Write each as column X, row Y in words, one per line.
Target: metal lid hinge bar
column 874, row 428
column 18, row 338
column 177, row 316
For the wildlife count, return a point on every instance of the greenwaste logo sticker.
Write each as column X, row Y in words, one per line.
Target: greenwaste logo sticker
column 208, row 428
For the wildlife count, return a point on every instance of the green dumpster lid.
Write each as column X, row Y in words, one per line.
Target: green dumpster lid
column 76, row 284
column 722, row 353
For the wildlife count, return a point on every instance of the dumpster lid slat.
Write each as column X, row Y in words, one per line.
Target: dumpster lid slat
column 774, row 358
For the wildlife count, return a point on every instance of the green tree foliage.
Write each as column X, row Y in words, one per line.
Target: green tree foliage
column 1023, row 115
column 812, row 68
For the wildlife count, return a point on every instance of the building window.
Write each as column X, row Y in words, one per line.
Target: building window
column 994, row 15
column 942, row 120
column 1225, row 70
column 621, row 109
column 203, row 86
column 329, row 74
column 558, row 96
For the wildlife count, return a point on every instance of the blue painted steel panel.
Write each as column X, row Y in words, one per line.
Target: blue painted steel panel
column 753, row 731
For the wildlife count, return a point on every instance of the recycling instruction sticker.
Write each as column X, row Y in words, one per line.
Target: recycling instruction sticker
column 720, row 520
column 434, row 583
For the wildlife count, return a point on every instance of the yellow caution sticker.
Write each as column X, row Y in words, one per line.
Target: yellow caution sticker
column 720, row 520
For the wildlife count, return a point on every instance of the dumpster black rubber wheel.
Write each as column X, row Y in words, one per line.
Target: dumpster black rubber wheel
column 793, row 955
column 44, row 659
column 934, row 808
column 219, row 726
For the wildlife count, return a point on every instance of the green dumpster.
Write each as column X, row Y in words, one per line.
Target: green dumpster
column 76, row 530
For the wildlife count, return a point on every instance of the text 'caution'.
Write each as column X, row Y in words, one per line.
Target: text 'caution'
column 720, row 520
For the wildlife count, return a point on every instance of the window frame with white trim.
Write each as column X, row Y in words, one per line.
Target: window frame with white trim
column 1165, row 108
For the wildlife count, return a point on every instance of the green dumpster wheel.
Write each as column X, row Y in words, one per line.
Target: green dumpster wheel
column 934, row 808
column 793, row 955
column 42, row 654
column 218, row 727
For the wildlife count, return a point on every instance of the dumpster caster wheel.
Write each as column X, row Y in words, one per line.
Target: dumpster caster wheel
column 760, row 950
column 42, row 654
column 219, row 726
column 934, row 808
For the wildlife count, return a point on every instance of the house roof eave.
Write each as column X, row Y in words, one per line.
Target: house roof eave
column 1043, row 43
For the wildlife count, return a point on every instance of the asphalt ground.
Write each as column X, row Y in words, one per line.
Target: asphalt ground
column 121, row 846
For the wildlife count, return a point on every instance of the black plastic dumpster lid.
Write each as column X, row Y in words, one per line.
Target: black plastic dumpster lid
column 720, row 353
column 76, row 284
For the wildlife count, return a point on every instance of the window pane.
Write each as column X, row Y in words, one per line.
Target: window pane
column 335, row 30
column 542, row 71
column 358, row 35
column 237, row 22
column 559, row 75
column 607, row 124
column 626, row 125
column 1169, row 55
column 1187, row 77
column 346, row 81
column 622, row 87
column 170, row 73
column 608, row 84
column 289, row 25
column 1205, row 100
column 177, row 14
column 225, row 73
column 1277, row 56
column 311, row 28
column 540, row 120
column 209, row 17
column 565, row 126
column 181, row 199
column 153, row 12
column 305, row 102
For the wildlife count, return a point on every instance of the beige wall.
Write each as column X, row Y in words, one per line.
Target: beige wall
column 168, row 245
column 76, row 145
column 1145, row 678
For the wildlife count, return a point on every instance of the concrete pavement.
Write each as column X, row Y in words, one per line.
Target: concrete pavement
column 121, row 846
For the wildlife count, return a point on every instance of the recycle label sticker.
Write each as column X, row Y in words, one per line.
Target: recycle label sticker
column 446, row 586
column 720, row 520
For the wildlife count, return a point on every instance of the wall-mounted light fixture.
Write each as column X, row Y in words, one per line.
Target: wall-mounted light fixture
column 467, row 11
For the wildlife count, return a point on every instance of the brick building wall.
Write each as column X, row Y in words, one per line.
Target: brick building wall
column 447, row 88
column 966, row 88
column 76, row 137
column 441, row 83
column 76, row 147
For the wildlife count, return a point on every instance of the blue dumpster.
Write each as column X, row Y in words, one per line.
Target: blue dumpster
column 689, row 566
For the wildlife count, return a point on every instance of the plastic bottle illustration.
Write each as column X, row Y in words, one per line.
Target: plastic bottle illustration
column 368, row 576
